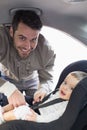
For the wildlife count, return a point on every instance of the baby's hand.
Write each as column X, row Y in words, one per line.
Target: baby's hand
column 32, row 116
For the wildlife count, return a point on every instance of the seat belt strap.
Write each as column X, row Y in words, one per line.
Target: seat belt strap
column 37, row 106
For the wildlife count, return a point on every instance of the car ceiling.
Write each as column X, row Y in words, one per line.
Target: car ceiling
column 66, row 15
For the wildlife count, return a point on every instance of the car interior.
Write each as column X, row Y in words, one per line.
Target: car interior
column 69, row 16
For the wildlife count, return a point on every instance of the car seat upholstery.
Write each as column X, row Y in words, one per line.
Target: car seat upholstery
column 81, row 121
column 80, row 65
column 75, row 107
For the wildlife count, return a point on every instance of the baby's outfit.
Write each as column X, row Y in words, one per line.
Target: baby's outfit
column 1, row 115
column 19, row 112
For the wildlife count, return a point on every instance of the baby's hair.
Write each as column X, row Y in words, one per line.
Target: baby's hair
column 79, row 75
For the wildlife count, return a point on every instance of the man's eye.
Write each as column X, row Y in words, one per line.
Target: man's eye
column 22, row 38
column 34, row 40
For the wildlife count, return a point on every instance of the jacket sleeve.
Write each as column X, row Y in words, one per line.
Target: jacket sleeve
column 47, row 77
column 46, row 74
column 6, row 87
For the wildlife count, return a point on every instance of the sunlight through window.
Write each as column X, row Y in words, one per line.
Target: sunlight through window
column 67, row 48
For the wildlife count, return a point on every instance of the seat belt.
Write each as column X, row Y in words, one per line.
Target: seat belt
column 46, row 97
column 40, row 105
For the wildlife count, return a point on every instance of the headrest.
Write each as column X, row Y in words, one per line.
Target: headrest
column 37, row 10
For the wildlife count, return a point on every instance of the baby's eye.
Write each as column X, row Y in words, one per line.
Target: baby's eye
column 64, row 82
column 71, row 88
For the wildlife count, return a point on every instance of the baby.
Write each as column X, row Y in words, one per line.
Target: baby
column 49, row 113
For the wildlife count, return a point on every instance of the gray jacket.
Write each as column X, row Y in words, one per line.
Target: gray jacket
column 38, row 65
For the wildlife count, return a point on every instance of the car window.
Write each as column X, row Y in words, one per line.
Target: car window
column 67, row 48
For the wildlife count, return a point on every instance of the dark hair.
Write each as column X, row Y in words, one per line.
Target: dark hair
column 28, row 17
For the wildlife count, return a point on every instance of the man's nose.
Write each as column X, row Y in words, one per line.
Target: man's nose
column 27, row 45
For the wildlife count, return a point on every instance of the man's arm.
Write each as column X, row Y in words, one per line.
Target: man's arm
column 46, row 76
column 14, row 96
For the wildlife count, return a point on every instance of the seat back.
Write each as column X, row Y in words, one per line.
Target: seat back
column 81, row 121
column 75, row 66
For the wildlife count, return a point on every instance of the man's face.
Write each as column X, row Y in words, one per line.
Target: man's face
column 25, row 39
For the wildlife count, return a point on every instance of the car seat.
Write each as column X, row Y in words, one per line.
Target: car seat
column 76, row 106
column 80, row 65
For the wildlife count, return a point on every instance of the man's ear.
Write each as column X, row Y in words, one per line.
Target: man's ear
column 11, row 31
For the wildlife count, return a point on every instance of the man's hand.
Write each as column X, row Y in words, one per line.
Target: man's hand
column 16, row 99
column 38, row 96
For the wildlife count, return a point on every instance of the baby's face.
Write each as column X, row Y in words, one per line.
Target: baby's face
column 67, row 87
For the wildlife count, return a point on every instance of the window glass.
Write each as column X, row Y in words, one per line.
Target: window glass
column 67, row 48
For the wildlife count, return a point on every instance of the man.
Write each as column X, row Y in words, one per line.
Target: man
column 28, row 57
